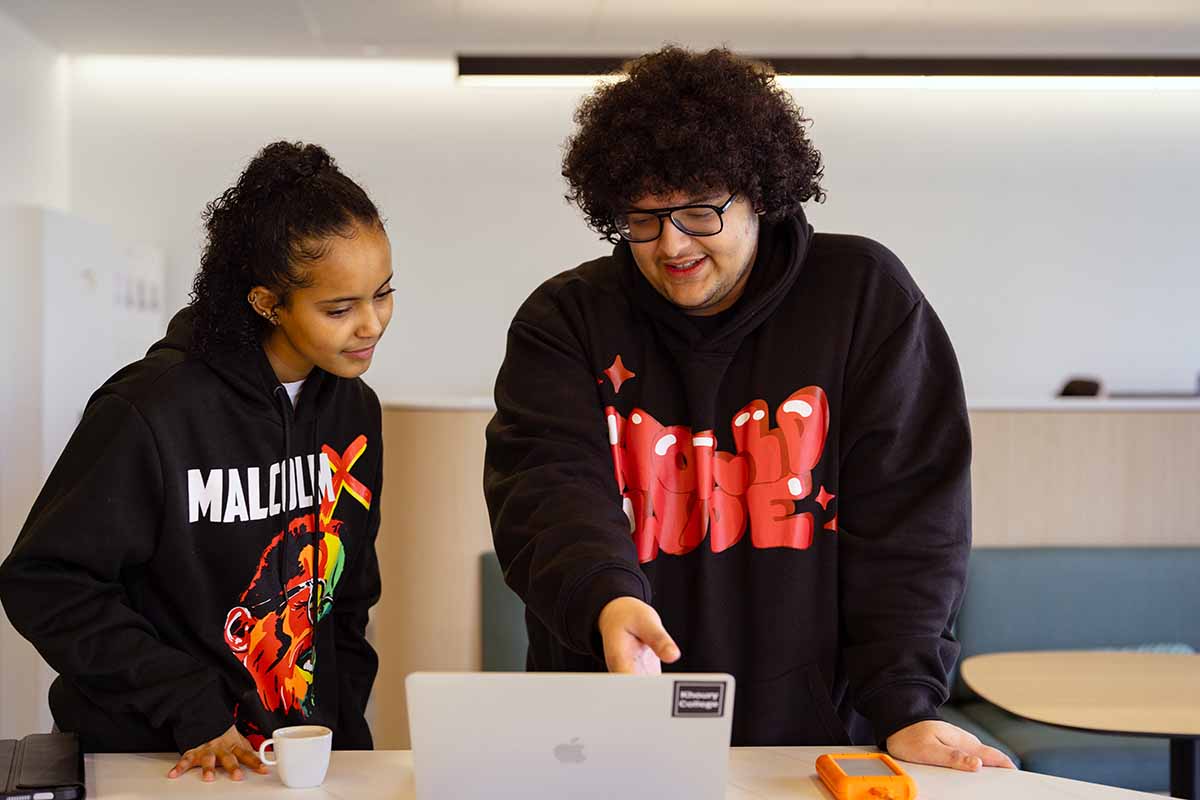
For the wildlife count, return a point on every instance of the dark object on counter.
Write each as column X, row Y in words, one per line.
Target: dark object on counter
column 1080, row 387
column 48, row 765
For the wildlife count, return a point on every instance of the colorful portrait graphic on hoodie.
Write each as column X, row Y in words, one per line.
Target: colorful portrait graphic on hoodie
column 271, row 630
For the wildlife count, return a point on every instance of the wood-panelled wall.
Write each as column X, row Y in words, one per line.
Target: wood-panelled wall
column 433, row 528
column 1040, row 478
column 1086, row 478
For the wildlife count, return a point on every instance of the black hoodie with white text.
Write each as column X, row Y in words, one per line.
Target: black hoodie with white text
column 787, row 483
column 166, row 570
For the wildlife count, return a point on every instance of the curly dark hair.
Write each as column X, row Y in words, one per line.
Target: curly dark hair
column 682, row 121
column 263, row 231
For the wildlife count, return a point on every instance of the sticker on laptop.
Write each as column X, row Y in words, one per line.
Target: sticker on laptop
column 699, row 699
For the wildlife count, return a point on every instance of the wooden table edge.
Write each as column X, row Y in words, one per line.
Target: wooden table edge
column 962, row 670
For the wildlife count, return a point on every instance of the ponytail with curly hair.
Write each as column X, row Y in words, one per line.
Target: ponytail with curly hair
column 262, row 231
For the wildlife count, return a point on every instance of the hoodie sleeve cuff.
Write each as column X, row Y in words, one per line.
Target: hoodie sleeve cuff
column 895, row 707
column 202, row 719
column 582, row 610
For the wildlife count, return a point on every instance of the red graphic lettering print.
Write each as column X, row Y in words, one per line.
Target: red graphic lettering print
column 678, row 488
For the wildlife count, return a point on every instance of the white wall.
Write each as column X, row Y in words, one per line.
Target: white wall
column 33, row 163
column 23, row 675
column 106, row 293
column 68, row 282
column 451, row 170
column 33, row 119
column 1049, row 228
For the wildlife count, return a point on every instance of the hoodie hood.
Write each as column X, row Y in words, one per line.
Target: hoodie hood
column 246, row 371
column 778, row 262
column 702, row 359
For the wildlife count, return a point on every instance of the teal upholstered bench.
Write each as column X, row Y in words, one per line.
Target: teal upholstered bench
column 1017, row 599
column 503, row 615
column 1066, row 599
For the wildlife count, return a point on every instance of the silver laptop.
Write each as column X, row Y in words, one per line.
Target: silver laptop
column 569, row 735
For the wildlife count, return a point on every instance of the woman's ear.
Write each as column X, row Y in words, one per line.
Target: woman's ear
column 264, row 302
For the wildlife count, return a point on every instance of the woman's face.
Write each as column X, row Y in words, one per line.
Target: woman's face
column 336, row 321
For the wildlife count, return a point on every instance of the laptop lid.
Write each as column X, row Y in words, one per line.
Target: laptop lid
column 569, row 735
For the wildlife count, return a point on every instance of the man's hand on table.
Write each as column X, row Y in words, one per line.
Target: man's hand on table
column 944, row 745
column 635, row 641
column 229, row 751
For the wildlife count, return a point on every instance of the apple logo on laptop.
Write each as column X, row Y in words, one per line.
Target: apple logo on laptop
column 570, row 752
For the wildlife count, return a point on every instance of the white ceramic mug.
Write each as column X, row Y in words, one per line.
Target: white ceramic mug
column 301, row 753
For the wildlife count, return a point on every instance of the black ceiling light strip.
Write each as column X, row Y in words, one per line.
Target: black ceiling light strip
column 790, row 65
column 1086, row 67
column 539, row 65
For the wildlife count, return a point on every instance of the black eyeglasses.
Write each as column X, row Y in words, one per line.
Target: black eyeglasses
column 701, row 219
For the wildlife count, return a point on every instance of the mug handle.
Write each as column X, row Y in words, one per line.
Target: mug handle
column 262, row 752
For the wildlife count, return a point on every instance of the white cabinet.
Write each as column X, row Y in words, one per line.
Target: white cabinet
column 76, row 305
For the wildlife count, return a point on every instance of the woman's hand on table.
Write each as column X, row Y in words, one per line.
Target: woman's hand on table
column 944, row 745
column 229, row 751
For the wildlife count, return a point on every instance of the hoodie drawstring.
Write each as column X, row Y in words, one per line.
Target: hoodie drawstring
column 318, row 534
column 285, row 407
column 317, row 595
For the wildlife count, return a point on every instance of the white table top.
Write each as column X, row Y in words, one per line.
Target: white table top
column 756, row 773
column 1151, row 694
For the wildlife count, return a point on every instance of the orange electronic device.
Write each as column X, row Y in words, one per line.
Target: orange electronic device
column 865, row 776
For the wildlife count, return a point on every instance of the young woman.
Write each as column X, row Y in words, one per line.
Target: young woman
column 199, row 565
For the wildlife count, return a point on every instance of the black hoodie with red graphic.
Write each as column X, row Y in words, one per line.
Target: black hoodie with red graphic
column 166, row 570
column 787, row 484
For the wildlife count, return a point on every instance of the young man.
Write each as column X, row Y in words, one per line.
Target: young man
column 735, row 444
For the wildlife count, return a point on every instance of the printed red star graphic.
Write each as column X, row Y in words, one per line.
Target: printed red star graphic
column 832, row 524
column 618, row 374
column 823, row 498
